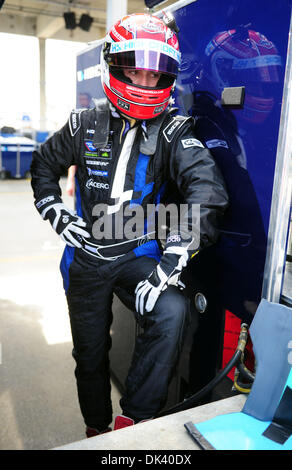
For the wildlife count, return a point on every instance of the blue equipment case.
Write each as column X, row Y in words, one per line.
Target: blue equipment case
column 15, row 155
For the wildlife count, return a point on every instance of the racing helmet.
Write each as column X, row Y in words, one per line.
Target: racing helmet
column 145, row 42
column 243, row 57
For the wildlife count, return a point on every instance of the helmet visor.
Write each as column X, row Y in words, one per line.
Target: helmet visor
column 145, row 54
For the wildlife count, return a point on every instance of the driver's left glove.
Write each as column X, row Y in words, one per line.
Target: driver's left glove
column 167, row 272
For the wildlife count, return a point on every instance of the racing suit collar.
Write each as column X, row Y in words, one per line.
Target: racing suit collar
column 150, row 129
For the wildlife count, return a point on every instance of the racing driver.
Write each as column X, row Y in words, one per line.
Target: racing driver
column 127, row 151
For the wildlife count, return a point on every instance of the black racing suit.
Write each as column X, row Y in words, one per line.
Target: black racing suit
column 118, row 165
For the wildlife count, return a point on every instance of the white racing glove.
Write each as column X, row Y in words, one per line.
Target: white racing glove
column 69, row 226
column 166, row 273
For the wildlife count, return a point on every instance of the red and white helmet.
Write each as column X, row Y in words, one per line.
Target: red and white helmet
column 139, row 41
column 246, row 57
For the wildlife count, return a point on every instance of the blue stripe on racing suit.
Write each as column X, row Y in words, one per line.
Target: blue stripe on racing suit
column 149, row 249
column 66, row 260
column 69, row 251
column 140, row 179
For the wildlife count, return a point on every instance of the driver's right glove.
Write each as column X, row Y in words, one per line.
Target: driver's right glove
column 69, row 226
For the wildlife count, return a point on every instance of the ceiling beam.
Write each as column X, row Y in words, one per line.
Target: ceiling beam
column 47, row 27
column 17, row 24
column 28, row 9
column 75, row 5
column 79, row 35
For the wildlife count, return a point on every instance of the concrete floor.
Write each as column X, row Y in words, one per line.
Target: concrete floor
column 166, row 433
column 38, row 398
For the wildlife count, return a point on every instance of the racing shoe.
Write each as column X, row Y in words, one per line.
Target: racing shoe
column 122, row 421
column 91, row 432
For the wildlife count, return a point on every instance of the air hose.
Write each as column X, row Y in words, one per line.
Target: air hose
column 242, row 372
column 235, row 361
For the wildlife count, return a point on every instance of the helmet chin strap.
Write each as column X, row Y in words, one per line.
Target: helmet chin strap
column 131, row 121
column 115, row 110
